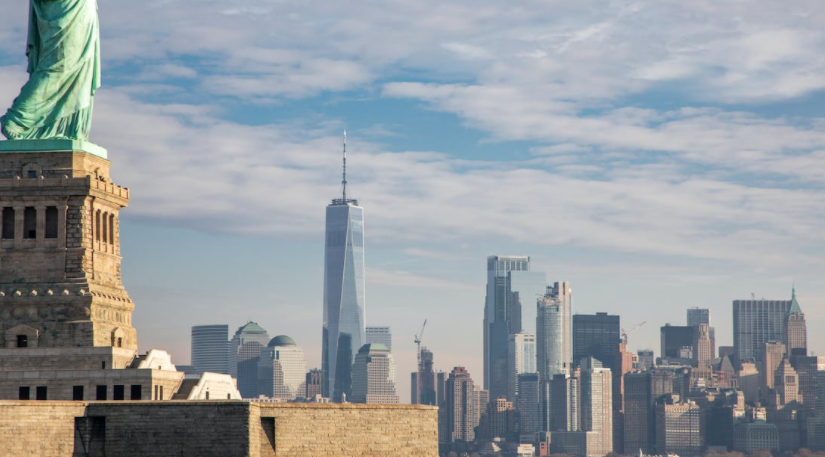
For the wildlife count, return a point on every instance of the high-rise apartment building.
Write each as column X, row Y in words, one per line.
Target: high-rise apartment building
column 440, row 387
column 529, row 406
column 806, row 368
column 816, row 422
column 773, row 352
column 460, row 410
column 482, row 400
column 313, row 383
column 642, row 389
column 755, row 322
column 282, row 369
column 674, row 338
column 247, row 344
column 550, row 324
column 698, row 316
column 750, row 381
column 381, row 335
column 646, row 359
column 500, row 420
column 597, row 404
column 373, row 375
column 785, row 385
column 521, row 359
column 210, row 348
column 563, row 293
column 623, row 363
column 702, row 345
column 679, row 429
column 423, row 387
column 344, row 329
column 563, row 405
column 796, row 330
column 596, row 335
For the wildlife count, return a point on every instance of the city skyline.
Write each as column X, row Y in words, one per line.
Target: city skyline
column 642, row 234
column 660, row 159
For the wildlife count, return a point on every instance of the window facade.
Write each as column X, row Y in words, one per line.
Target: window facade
column 77, row 393
column 101, row 393
column 30, row 223
column 8, row 223
column 51, row 222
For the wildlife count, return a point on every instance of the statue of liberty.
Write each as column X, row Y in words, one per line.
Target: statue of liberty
column 64, row 67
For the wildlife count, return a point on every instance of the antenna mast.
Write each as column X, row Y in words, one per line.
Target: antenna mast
column 344, row 179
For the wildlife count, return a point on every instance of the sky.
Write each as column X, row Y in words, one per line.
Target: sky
column 658, row 155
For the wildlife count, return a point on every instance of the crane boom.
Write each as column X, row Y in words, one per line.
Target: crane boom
column 418, row 342
column 625, row 333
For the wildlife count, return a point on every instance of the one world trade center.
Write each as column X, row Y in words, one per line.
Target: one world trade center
column 344, row 325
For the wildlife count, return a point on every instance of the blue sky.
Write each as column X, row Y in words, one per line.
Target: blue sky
column 658, row 155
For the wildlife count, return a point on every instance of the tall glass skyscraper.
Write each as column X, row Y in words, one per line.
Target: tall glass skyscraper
column 344, row 302
column 550, row 338
column 755, row 322
column 210, row 348
column 596, row 335
column 496, row 322
column 510, row 308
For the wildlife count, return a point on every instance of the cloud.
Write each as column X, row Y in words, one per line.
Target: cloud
column 198, row 170
column 406, row 279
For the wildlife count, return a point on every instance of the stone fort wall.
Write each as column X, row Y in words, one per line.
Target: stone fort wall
column 215, row 428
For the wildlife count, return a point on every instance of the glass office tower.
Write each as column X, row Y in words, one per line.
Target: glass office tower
column 497, row 322
column 344, row 302
column 381, row 335
column 210, row 348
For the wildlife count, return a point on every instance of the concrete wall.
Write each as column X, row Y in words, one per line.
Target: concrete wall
column 215, row 428
column 307, row 429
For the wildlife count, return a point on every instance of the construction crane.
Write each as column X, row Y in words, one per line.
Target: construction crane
column 418, row 342
column 625, row 333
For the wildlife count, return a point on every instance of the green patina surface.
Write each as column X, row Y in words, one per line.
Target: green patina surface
column 63, row 48
column 51, row 146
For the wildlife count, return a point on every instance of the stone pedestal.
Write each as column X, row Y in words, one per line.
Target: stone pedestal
column 60, row 284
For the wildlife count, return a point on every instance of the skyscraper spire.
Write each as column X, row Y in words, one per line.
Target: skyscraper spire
column 344, row 179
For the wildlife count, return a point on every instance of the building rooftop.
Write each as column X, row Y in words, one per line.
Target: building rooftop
column 373, row 347
column 281, row 340
column 795, row 309
column 250, row 327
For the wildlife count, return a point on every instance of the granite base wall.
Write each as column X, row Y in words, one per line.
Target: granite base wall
column 215, row 428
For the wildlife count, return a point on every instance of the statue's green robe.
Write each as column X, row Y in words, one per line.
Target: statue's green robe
column 64, row 64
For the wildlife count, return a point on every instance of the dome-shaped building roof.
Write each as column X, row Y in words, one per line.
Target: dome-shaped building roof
column 281, row 340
